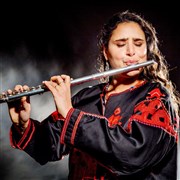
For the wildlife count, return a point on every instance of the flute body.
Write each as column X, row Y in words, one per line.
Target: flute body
column 41, row 89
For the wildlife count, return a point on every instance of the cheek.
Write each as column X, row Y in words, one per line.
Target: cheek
column 142, row 52
column 116, row 53
column 116, row 57
column 116, row 61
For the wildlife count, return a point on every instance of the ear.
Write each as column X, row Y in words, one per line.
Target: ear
column 105, row 53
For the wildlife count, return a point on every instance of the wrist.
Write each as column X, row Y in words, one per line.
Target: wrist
column 22, row 126
column 65, row 112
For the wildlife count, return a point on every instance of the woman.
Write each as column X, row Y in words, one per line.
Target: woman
column 125, row 127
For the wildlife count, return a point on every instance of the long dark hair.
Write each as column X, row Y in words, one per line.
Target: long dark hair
column 158, row 72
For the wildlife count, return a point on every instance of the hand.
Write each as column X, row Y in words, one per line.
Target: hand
column 60, row 89
column 19, row 110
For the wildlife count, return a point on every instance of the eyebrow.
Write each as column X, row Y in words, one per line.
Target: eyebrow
column 125, row 39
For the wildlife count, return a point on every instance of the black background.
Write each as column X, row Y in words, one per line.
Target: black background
column 38, row 40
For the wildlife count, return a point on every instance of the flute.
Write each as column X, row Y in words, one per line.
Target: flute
column 41, row 88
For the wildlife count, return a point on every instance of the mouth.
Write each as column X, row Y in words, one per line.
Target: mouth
column 131, row 62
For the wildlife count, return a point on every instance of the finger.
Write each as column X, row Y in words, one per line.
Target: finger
column 61, row 79
column 8, row 92
column 50, row 85
column 66, row 78
column 26, row 88
column 58, row 79
column 18, row 88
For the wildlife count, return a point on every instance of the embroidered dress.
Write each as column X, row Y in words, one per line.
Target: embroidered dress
column 131, row 136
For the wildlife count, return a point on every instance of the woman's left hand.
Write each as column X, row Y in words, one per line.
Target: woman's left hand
column 61, row 91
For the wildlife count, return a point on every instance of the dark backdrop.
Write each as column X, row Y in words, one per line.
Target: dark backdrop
column 40, row 40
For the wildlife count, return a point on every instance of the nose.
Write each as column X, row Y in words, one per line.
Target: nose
column 130, row 51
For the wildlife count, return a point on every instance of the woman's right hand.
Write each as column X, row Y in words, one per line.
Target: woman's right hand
column 19, row 110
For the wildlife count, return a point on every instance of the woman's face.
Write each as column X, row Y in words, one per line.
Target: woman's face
column 127, row 46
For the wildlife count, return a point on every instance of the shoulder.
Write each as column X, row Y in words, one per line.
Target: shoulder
column 159, row 97
column 157, row 90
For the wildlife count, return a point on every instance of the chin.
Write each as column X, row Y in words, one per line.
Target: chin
column 133, row 73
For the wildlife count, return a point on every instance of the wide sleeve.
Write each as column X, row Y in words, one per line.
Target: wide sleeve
column 148, row 138
column 41, row 140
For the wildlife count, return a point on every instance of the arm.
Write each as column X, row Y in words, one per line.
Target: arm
column 41, row 140
column 145, row 141
column 148, row 138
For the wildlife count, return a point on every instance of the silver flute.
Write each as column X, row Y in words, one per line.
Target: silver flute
column 41, row 88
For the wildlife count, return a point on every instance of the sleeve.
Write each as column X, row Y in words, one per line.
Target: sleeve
column 148, row 138
column 41, row 140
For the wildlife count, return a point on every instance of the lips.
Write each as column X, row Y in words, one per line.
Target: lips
column 129, row 63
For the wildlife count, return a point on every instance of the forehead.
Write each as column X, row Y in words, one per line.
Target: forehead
column 128, row 29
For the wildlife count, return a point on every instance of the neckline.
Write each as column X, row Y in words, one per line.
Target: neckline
column 108, row 94
column 137, row 84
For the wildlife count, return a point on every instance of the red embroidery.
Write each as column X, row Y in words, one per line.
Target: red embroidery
column 115, row 118
column 155, row 93
column 56, row 116
column 147, row 108
column 152, row 112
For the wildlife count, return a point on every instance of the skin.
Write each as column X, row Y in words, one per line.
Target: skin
column 127, row 46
